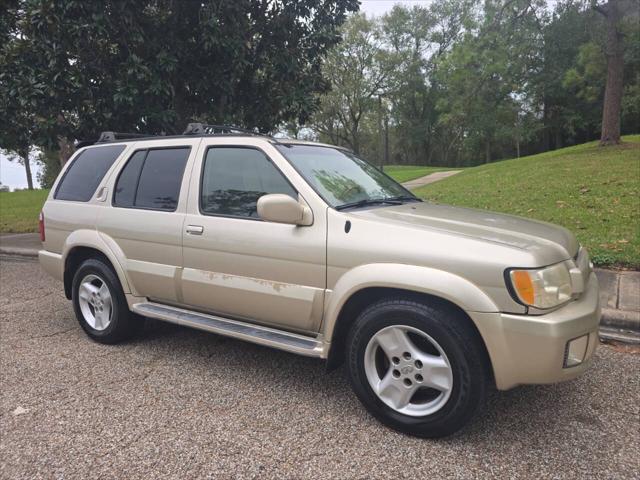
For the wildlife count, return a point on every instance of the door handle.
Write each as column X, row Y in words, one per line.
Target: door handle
column 102, row 195
column 195, row 229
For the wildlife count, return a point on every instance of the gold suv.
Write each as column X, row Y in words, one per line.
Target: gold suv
column 307, row 248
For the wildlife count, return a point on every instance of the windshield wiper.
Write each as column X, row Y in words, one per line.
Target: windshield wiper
column 405, row 198
column 370, row 201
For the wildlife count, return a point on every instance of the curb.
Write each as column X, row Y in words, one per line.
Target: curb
column 619, row 335
column 611, row 321
column 622, row 319
column 21, row 252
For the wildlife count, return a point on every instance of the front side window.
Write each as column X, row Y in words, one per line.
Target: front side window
column 83, row 176
column 343, row 179
column 233, row 179
column 151, row 179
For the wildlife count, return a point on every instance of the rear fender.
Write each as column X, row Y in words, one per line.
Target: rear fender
column 92, row 239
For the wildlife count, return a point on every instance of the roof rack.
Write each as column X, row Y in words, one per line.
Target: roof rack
column 192, row 129
column 113, row 136
column 206, row 129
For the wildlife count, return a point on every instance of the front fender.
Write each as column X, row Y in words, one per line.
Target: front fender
column 454, row 288
column 92, row 239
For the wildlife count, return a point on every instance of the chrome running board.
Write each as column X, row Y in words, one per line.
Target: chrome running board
column 269, row 337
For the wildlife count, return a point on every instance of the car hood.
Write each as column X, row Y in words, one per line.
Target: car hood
column 493, row 227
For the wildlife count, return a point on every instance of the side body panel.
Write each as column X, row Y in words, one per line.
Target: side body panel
column 270, row 273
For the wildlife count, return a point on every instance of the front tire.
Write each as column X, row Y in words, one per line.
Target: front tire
column 419, row 369
column 100, row 305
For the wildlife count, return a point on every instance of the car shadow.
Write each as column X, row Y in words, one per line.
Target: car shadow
column 506, row 414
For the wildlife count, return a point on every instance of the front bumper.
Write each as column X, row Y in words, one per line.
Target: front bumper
column 531, row 349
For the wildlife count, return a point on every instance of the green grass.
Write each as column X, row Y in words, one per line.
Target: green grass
column 404, row 173
column 593, row 191
column 19, row 210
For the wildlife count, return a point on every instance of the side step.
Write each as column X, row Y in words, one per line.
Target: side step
column 269, row 337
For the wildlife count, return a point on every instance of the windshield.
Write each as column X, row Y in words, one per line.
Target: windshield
column 341, row 178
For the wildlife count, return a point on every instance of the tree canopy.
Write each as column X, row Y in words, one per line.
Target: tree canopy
column 456, row 82
column 71, row 68
column 469, row 81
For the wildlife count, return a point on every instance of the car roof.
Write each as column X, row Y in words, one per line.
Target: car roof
column 160, row 138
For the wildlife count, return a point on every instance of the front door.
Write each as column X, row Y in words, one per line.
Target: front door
column 239, row 266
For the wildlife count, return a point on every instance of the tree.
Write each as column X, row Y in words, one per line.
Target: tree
column 152, row 66
column 614, row 12
column 467, row 81
column 418, row 38
column 48, row 159
column 485, row 75
column 564, row 117
column 358, row 75
column 15, row 129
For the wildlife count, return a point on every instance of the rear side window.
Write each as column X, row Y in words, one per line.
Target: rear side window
column 81, row 179
column 151, row 179
column 235, row 178
column 128, row 181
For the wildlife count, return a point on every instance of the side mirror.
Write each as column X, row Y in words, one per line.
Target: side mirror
column 281, row 208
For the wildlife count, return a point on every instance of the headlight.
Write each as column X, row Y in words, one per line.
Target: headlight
column 542, row 288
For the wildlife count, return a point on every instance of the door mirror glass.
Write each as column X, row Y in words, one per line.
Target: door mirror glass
column 280, row 208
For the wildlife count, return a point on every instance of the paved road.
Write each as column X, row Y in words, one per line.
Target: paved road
column 427, row 179
column 184, row 404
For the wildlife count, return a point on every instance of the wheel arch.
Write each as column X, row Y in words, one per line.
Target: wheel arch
column 82, row 245
column 364, row 285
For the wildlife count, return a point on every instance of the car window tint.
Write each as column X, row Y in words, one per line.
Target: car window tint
column 235, row 178
column 160, row 179
column 86, row 172
column 125, row 191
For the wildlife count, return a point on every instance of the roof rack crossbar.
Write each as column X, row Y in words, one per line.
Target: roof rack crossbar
column 113, row 136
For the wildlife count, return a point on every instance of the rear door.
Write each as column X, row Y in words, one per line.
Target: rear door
column 147, row 211
column 239, row 266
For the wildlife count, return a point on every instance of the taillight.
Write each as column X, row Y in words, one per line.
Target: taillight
column 41, row 226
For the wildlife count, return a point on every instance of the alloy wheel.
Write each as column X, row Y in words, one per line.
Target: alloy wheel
column 408, row 370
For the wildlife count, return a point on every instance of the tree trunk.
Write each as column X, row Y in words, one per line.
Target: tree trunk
column 610, row 134
column 386, row 140
column 381, row 133
column 355, row 138
column 487, row 151
column 546, row 123
column 557, row 139
column 27, row 169
column 65, row 150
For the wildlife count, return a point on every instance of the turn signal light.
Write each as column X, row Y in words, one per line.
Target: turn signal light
column 524, row 286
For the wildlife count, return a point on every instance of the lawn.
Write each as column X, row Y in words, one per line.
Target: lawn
column 19, row 210
column 593, row 191
column 404, row 173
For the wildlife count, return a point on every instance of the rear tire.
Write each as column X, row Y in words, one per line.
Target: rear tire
column 100, row 304
column 418, row 369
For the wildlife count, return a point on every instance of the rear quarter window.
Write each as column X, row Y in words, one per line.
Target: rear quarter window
column 83, row 176
column 151, row 179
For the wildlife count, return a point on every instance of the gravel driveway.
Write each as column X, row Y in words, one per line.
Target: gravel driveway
column 184, row 404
